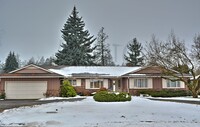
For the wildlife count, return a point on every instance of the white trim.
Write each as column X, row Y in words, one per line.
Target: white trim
column 30, row 66
column 31, row 77
column 105, row 83
column 164, row 85
column 78, row 82
column 87, row 83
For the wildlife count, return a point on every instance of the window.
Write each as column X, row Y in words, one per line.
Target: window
column 173, row 83
column 141, row 83
column 73, row 82
column 119, row 84
column 96, row 83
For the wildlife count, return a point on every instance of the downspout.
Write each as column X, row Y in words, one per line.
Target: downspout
column 128, row 85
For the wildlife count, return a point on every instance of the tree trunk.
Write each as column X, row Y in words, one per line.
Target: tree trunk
column 194, row 88
column 195, row 94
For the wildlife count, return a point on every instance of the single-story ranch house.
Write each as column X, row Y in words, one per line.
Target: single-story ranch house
column 32, row 82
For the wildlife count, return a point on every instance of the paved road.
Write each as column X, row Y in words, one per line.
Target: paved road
column 9, row 104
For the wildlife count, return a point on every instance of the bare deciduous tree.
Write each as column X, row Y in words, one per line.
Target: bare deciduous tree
column 172, row 54
column 196, row 48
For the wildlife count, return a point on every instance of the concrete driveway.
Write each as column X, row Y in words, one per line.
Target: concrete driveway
column 9, row 104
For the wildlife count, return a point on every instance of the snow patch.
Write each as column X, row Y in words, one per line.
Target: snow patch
column 188, row 98
column 60, row 98
column 100, row 70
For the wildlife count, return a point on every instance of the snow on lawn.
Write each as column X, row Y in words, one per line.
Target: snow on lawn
column 60, row 98
column 188, row 98
column 140, row 112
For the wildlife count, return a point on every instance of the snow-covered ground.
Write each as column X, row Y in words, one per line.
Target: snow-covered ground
column 60, row 98
column 140, row 112
column 189, row 98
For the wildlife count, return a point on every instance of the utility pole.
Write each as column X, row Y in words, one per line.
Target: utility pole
column 115, row 51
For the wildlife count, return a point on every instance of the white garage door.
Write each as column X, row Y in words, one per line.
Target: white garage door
column 25, row 89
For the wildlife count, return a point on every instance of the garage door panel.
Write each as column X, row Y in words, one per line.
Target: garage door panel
column 21, row 88
column 21, row 92
column 25, row 89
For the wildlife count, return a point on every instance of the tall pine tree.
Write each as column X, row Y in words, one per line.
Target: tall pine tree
column 11, row 63
column 134, row 56
column 102, row 52
column 77, row 50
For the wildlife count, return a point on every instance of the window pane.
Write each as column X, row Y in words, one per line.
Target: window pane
column 145, row 83
column 91, row 84
column 96, row 84
column 74, row 82
column 168, row 83
column 178, row 84
column 135, row 83
column 101, row 83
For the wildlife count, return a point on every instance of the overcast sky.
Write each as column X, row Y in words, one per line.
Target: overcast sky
column 32, row 27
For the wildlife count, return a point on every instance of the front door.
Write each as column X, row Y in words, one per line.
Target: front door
column 115, row 85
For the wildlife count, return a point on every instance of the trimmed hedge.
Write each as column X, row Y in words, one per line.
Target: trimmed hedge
column 105, row 96
column 165, row 93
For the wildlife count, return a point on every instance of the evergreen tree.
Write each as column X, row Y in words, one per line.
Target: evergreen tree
column 11, row 63
column 1, row 67
column 102, row 52
column 134, row 57
column 77, row 48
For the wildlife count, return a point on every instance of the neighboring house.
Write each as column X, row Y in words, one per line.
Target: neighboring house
column 33, row 82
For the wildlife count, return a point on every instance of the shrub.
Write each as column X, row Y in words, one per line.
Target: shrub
column 165, row 93
column 82, row 92
column 105, row 96
column 2, row 95
column 102, row 89
column 67, row 90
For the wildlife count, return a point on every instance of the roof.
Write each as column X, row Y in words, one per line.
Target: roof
column 108, row 71
column 31, row 71
column 30, row 65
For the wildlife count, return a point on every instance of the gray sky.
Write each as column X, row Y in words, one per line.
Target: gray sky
column 32, row 27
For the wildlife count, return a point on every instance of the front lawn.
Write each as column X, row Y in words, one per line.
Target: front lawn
column 139, row 112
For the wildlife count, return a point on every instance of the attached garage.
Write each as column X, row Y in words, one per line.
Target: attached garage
column 25, row 89
column 30, row 82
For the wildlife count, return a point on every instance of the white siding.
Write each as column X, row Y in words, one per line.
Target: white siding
column 182, row 84
column 105, row 83
column 150, row 83
column 78, row 82
column 164, row 83
column 131, row 83
column 87, row 84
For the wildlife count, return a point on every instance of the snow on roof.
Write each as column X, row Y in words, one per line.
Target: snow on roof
column 110, row 71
